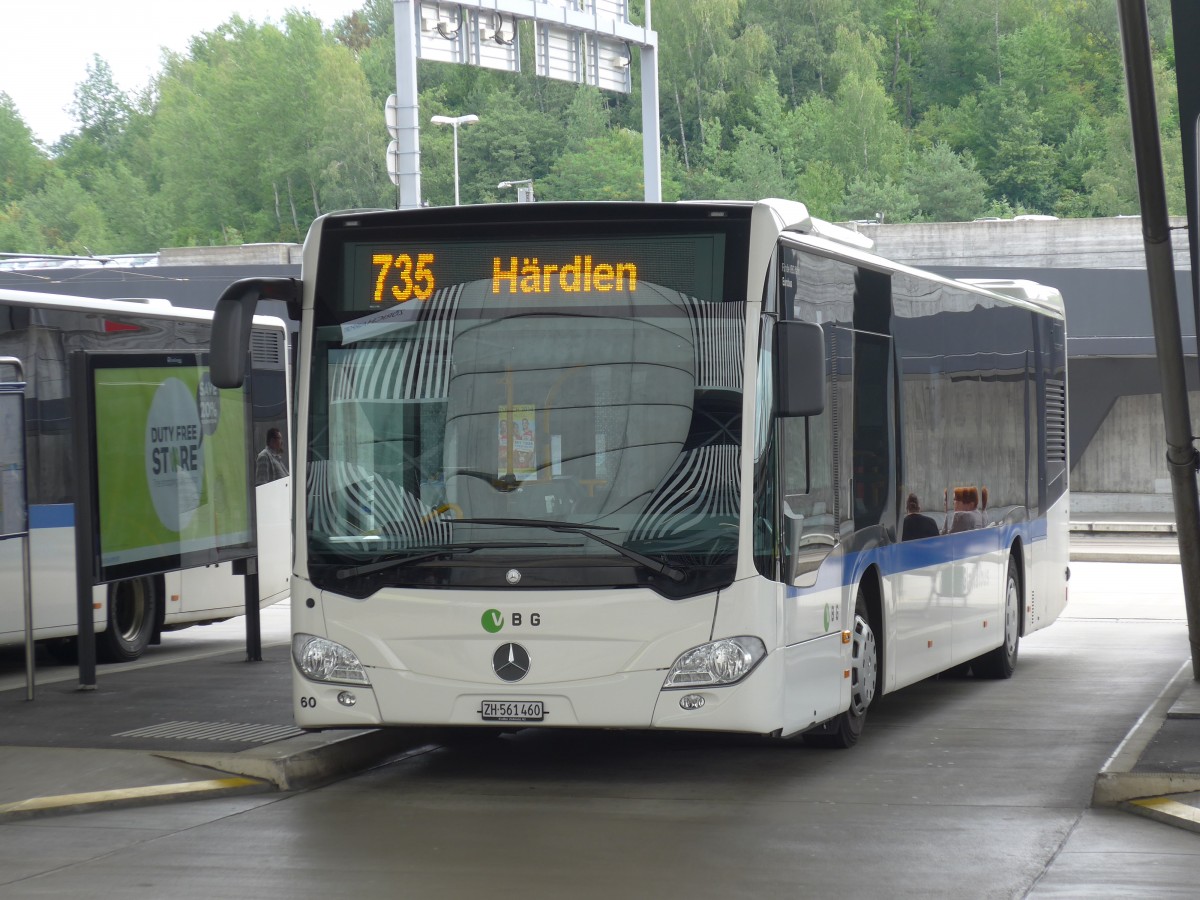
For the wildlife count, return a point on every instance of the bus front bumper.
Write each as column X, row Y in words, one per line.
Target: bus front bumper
column 634, row 700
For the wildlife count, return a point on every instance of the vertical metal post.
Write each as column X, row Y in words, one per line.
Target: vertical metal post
column 651, row 136
column 456, row 164
column 81, row 426
column 408, row 129
column 1156, row 234
column 248, row 569
column 27, row 574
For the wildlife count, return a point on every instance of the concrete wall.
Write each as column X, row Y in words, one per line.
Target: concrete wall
column 1061, row 243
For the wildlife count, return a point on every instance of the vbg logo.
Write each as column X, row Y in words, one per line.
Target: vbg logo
column 493, row 620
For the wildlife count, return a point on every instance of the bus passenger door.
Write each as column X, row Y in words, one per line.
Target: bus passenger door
column 812, row 465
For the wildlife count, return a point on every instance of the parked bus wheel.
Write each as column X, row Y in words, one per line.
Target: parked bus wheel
column 842, row 731
column 132, row 607
column 1001, row 662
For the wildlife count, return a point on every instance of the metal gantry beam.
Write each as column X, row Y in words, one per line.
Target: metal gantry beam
column 583, row 41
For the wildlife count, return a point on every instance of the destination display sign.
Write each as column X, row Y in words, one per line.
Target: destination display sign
column 382, row 275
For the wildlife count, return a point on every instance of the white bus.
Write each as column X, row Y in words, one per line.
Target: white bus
column 652, row 466
column 42, row 330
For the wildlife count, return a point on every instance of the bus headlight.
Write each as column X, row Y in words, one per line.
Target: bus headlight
column 726, row 661
column 320, row 659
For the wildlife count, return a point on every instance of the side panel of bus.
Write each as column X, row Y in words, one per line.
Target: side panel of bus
column 947, row 428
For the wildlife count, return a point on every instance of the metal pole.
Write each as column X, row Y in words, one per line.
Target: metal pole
column 651, row 134
column 455, row 164
column 408, row 130
column 82, row 425
column 248, row 569
column 1156, row 234
column 27, row 574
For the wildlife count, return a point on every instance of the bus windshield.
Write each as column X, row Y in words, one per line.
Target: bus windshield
column 566, row 412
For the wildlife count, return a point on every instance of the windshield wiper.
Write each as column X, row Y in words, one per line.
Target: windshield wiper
column 654, row 565
column 414, row 558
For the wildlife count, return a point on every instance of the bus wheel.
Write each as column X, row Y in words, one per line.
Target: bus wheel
column 842, row 731
column 1001, row 662
column 132, row 607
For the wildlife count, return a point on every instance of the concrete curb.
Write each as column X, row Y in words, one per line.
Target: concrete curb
column 1155, row 795
column 292, row 764
column 1111, row 538
column 1079, row 554
column 310, row 759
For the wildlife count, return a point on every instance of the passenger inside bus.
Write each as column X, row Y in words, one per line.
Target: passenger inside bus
column 967, row 513
column 917, row 525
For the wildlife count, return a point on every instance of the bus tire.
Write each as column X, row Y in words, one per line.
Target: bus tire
column 1002, row 662
column 132, row 611
column 843, row 731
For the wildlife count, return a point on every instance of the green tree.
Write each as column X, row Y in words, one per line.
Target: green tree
column 259, row 129
column 1040, row 61
column 102, row 111
column 66, row 219
column 693, row 76
column 608, row 167
column 24, row 163
column 905, row 25
column 946, row 184
column 133, row 216
column 18, row 233
column 755, row 169
column 821, row 187
column 863, row 138
column 879, row 199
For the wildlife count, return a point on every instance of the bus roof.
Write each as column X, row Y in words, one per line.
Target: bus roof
column 141, row 306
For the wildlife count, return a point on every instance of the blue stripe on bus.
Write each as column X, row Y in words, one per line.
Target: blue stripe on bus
column 54, row 515
column 894, row 559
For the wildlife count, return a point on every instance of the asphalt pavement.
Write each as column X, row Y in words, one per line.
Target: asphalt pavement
column 214, row 724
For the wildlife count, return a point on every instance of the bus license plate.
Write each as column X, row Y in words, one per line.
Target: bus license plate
column 512, row 710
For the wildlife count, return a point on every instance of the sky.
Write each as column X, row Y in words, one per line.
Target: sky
column 45, row 50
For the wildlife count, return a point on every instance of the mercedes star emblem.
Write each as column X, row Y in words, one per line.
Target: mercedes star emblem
column 510, row 662
column 512, row 576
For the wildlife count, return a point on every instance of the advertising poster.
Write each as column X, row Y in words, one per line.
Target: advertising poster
column 171, row 462
column 518, row 442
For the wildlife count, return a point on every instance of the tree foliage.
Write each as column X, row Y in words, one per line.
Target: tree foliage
column 905, row 110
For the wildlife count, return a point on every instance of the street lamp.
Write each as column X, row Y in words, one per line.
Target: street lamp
column 454, row 122
column 524, row 189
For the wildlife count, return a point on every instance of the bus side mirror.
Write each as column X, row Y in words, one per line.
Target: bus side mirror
column 800, row 366
column 232, row 321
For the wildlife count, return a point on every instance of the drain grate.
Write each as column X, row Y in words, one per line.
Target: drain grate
column 215, row 731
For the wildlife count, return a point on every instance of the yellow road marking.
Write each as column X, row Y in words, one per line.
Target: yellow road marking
column 1169, row 807
column 149, row 792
